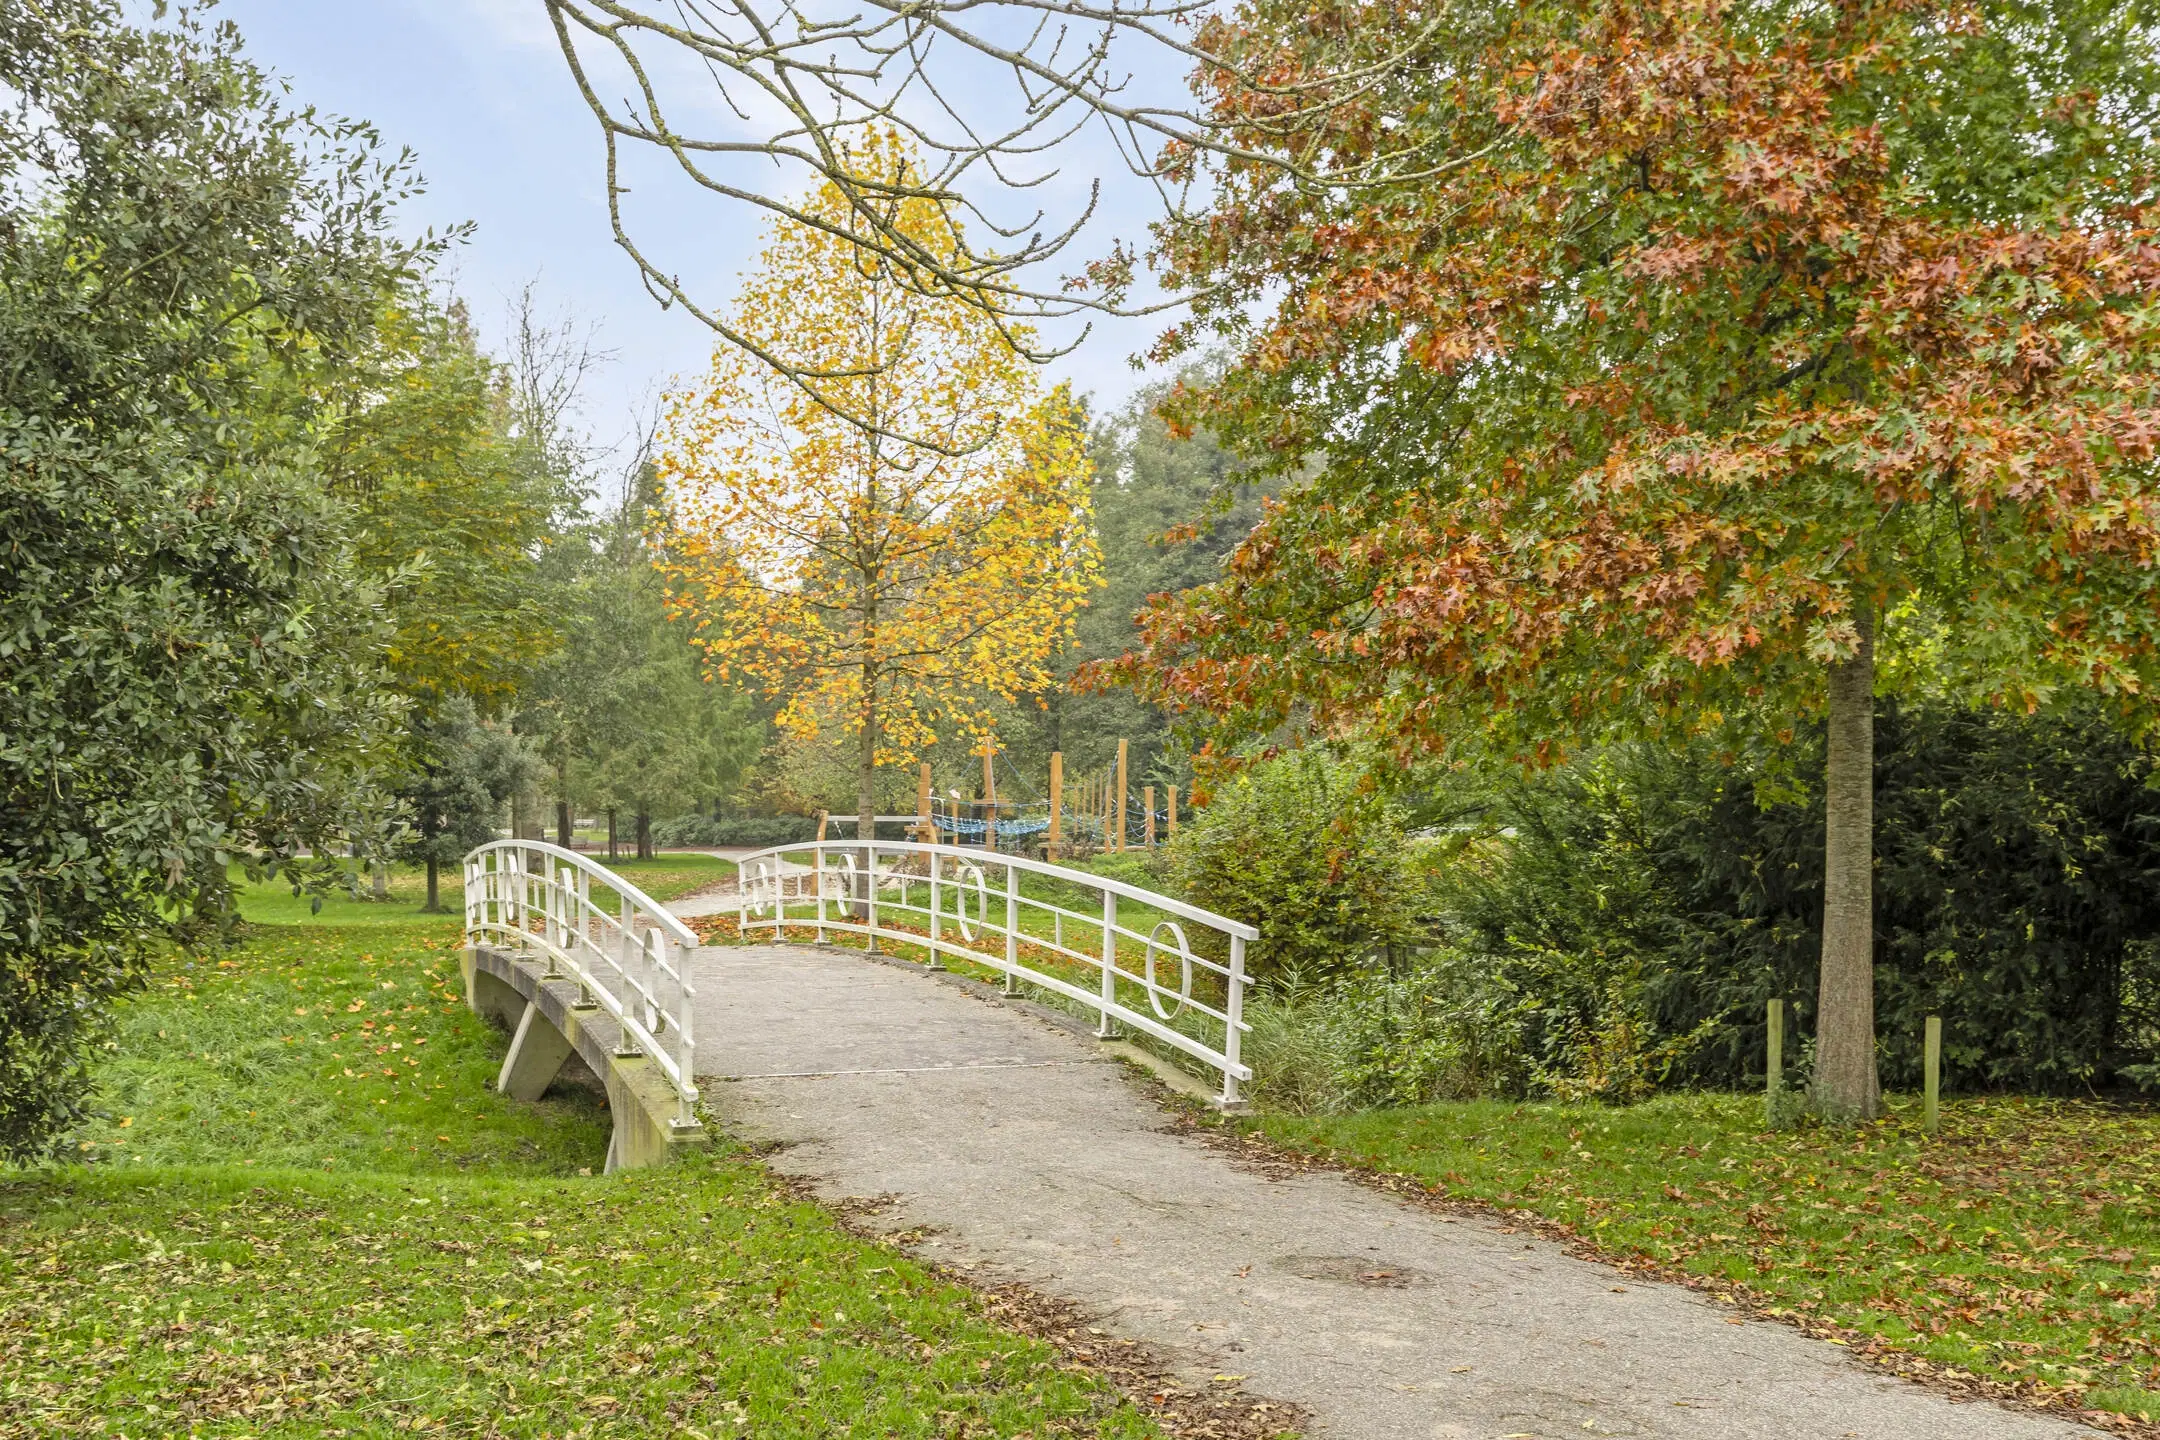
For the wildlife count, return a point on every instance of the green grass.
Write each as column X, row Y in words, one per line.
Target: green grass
column 2022, row 1243
column 305, row 1214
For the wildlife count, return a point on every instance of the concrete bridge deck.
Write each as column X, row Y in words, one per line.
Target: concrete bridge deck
column 1025, row 1153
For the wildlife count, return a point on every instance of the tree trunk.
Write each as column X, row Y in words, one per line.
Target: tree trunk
column 866, row 786
column 382, row 880
column 611, row 855
column 563, row 835
column 434, row 900
column 1846, row 1087
column 644, row 836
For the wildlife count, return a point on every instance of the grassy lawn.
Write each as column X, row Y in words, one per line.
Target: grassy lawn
column 2021, row 1244
column 305, row 1214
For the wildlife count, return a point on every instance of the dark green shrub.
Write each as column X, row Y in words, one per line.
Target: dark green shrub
column 1301, row 848
column 758, row 831
column 1645, row 902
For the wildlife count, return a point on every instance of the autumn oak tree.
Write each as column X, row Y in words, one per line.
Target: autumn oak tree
column 1748, row 359
column 893, row 527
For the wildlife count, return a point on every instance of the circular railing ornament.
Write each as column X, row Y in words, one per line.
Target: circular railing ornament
column 1185, row 959
column 844, row 871
column 764, row 887
column 970, row 871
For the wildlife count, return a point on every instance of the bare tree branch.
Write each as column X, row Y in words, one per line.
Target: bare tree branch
column 987, row 92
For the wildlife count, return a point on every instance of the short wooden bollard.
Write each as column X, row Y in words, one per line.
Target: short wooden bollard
column 1775, row 1069
column 1931, row 1076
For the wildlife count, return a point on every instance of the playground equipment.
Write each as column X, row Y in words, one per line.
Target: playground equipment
column 1096, row 813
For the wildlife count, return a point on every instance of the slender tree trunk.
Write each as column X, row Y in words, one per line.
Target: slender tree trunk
column 434, row 893
column 611, row 855
column 866, row 783
column 866, row 763
column 1846, row 1085
column 644, row 836
column 382, row 880
column 563, row 835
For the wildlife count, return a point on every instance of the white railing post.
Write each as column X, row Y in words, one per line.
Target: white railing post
column 1108, row 1028
column 936, row 956
column 743, row 882
column 584, row 910
column 1012, row 924
column 870, row 890
column 685, row 1034
column 1235, row 1009
column 550, row 914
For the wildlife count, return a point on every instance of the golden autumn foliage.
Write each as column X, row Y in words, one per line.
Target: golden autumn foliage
column 895, row 527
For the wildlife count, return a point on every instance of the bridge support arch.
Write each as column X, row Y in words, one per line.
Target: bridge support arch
column 547, row 1024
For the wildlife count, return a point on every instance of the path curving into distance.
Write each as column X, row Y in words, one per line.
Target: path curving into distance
column 1026, row 1154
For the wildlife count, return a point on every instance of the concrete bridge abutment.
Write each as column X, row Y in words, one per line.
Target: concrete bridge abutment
column 549, row 1021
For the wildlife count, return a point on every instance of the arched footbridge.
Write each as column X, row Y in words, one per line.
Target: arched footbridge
column 575, row 960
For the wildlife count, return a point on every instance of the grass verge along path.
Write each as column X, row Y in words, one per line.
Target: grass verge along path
column 304, row 1214
column 2021, row 1244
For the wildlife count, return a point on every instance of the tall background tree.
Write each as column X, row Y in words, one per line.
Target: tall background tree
column 188, row 659
column 633, row 727
column 906, row 537
column 461, row 511
column 1748, row 360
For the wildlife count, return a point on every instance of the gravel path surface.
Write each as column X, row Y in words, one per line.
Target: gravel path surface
column 1026, row 1155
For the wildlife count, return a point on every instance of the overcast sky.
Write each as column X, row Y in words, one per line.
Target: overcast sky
column 479, row 91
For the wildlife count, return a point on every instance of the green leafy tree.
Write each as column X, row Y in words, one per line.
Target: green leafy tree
column 1167, row 509
column 188, row 670
column 462, row 515
column 1742, row 361
column 653, row 737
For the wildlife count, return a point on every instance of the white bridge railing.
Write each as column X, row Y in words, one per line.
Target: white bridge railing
column 633, row 963
column 1044, row 924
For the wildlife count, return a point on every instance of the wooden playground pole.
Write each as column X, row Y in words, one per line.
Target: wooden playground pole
column 1147, row 807
column 989, row 795
column 1057, row 800
column 1173, row 812
column 925, row 832
column 1102, row 808
column 1121, row 794
column 821, row 818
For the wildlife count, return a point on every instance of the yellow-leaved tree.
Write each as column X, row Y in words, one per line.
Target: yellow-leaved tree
column 884, row 521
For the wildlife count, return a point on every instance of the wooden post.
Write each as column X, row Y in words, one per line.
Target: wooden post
column 1121, row 794
column 1147, row 807
column 1172, row 817
column 989, row 795
column 821, row 818
column 1775, row 1070
column 925, row 832
column 1931, row 1076
column 1057, row 800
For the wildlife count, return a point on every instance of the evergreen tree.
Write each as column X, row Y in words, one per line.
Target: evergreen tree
column 463, row 774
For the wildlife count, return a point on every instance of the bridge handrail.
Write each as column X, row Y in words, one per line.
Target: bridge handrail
column 863, row 885
column 634, row 964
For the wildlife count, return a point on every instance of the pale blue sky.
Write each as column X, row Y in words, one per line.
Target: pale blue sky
column 479, row 91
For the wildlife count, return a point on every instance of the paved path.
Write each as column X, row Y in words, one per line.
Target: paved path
column 1027, row 1155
